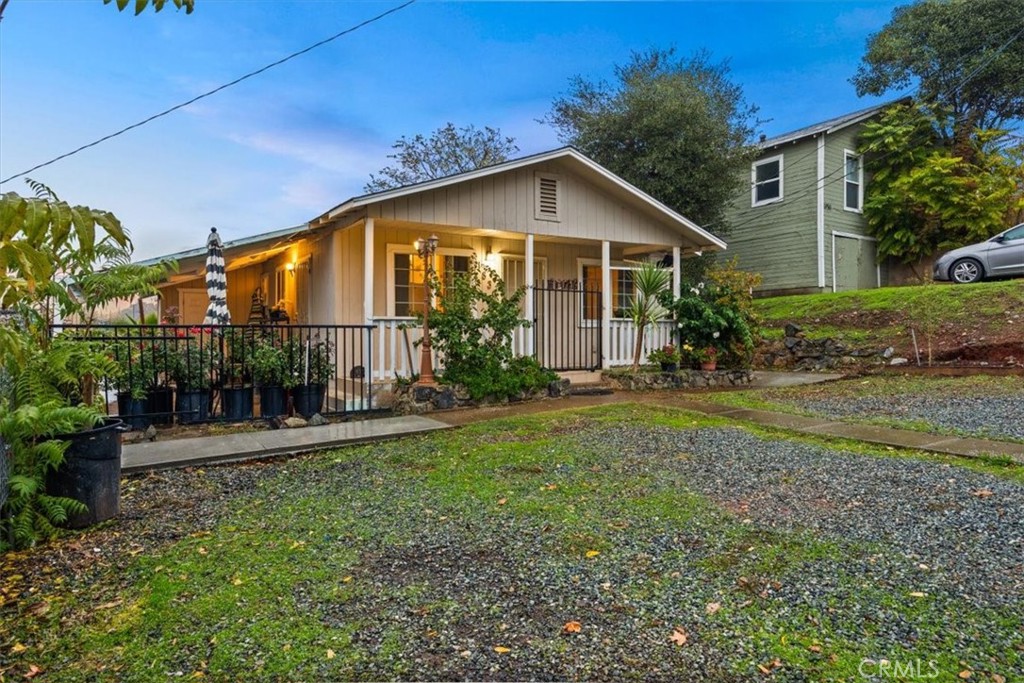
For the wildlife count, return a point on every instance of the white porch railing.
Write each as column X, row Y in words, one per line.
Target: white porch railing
column 396, row 353
column 623, row 341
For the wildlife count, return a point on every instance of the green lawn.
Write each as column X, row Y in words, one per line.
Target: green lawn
column 469, row 553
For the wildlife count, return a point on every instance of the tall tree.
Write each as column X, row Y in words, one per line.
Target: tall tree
column 676, row 128
column 448, row 150
column 966, row 56
column 925, row 195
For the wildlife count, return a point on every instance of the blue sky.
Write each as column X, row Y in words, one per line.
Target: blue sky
column 283, row 147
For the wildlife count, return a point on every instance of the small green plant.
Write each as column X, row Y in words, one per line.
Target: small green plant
column 196, row 361
column 271, row 362
column 649, row 282
column 472, row 329
column 318, row 355
column 666, row 355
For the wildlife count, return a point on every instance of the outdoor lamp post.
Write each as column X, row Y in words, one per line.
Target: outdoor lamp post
column 426, row 248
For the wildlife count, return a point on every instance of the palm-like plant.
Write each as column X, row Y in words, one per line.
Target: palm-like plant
column 648, row 282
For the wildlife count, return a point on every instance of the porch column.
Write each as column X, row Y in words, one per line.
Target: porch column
column 528, row 311
column 606, row 303
column 676, row 271
column 368, row 270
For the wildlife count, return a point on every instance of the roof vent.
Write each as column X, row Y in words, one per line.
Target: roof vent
column 547, row 197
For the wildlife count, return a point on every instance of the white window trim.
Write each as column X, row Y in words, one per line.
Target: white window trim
column 847, row 153
column 753, row 181
column 393, row 249
column 580, row 263
column 559, row 191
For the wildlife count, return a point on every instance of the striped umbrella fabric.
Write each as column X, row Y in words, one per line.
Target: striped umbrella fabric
column 216, row 282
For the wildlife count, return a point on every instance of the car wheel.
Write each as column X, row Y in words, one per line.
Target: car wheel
column 965, row 271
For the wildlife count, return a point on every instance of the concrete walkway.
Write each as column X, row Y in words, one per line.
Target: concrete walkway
column 248, row 445
column 158, row 455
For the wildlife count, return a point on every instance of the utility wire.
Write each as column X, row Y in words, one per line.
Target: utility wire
column 842, row 169
column 212, row 92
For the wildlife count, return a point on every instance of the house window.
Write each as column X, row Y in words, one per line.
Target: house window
column 406, row 273
column 622, row 292
column 766, row 181
column 548, row 197
column 854, row 182
column 513, row 272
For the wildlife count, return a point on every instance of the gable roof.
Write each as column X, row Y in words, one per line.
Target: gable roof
column 830, row 126
column 352, row 207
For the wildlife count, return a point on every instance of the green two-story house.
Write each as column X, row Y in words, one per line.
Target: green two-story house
column 799, row 222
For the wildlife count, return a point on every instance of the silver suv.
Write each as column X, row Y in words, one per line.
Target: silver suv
column 998, row 256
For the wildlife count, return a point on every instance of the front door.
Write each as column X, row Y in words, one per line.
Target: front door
column 855, row 264
column 1007, row 257
column 192, row 305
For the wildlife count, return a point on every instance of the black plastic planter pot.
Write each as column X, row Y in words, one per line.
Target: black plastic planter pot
column 237, row 403
column 160, row 405
column 193, row 406
column 670, row 367
column 91, row 473
column 273, row 401
column 132, row 411
column 308, row 398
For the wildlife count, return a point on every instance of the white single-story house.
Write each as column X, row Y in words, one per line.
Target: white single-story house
column 557, row 223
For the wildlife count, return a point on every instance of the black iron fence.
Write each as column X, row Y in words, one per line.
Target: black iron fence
column 567, row 325
column 199, row 373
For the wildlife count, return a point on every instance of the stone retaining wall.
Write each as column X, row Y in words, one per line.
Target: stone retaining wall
column 797, row 352
column 682, row 379
column 414, row 399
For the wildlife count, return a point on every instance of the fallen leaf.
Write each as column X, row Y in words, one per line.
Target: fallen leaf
column 501, row 650
column 33, row 671
column 236, row 582
column 549, row 487
column 763, row 669
column 679, row 636
column 713, row 607
column 918, row 594
column 593, row 553
column 814, row 648
column 996, row 678
column 981, row 493
column 203, row 551
column 965, row 674
column 502, row 501
column 18, row 648
column 346, row 579
column 108, row 605
column 572, row 627
column 330, row 654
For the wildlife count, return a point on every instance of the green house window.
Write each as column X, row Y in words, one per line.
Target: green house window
column 766, row 181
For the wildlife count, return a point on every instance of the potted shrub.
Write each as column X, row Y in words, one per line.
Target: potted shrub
column 135, row 377
column 237, row 389
column 196, row 360
column 313, row 366
column 667, row 357
column 64, row 455
column 270, row 367
column 708, row 358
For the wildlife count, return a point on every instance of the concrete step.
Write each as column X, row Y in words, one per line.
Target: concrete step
column 590, row 389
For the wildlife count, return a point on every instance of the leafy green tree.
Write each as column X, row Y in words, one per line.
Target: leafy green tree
column 924, row 196
column 966, row 56
column 678, row 129
column 141, row 5
column 448, row 150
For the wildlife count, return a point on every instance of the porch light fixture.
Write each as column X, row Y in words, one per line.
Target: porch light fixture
column 290, row 267
column 426, row 249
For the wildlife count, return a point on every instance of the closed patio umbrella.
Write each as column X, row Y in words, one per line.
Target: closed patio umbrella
column 216, row 282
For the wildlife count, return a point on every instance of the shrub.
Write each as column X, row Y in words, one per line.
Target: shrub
column 472, row 329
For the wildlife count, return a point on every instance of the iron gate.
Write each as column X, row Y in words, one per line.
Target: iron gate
column 567, row 325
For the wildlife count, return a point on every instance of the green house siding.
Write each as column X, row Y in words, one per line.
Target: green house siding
column 779, row 240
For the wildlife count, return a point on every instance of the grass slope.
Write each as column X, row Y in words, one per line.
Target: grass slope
column 991, row 311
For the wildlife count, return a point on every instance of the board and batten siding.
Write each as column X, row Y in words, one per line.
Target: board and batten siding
column 779, row 240
column 506, row 201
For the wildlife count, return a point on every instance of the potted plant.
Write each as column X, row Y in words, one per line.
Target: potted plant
column 313, row 366
column 196, row 360
column 65, row 456
column 667, row 356
column 133, row 381
column 237, row 389
column 708, row 358
column 270, row 367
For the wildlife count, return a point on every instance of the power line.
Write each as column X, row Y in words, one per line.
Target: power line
column 922, row 137
column 216, row 90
